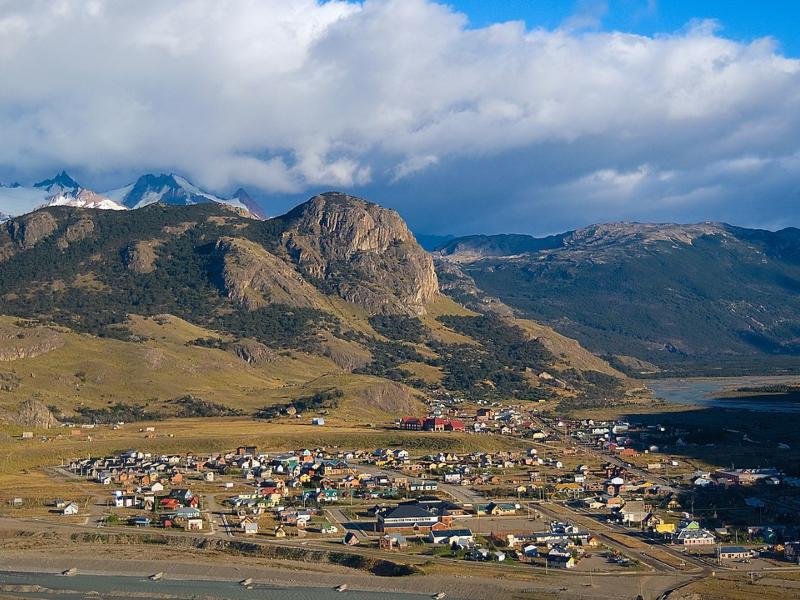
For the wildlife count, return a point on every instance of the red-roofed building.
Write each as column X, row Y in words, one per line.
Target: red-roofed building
column 454, row 425
column 434, row 424
column 411, row 423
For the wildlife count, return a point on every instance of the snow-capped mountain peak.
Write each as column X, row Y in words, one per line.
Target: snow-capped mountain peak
column 247, row 201
column 168, row 189
column 174, row 189
column 63, row 190
column 84, row 199
column 60, row 183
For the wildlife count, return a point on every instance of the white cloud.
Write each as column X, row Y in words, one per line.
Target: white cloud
column 412, row 165
column 290, row 95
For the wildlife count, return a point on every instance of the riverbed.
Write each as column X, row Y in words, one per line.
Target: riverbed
column 50, row 585
column 707, row 392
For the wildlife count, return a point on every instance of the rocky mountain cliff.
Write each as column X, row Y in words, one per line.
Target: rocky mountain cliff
column 702, row 298
column 363, row 252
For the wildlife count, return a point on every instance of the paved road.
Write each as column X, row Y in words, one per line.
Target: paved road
column 215, row 512
column 362, row 529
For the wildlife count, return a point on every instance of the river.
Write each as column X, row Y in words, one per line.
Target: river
column 705, row 392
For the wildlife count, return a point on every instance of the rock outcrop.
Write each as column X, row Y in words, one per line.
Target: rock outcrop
column 253, row 352
column 140, row 257
column 362, row 252
column 27, row 342
column 35, row 414
column 30, row 229
column 253, row 277
column 75, row 232
column 390, row 397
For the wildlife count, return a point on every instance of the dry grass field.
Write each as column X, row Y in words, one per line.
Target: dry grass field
column 22, row 461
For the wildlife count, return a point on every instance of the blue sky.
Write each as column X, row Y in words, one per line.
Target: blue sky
column 743, row 20
column 532, row 116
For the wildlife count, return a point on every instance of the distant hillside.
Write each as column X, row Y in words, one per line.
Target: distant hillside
column 472, row 247
column 705, row 298
column 144, row 306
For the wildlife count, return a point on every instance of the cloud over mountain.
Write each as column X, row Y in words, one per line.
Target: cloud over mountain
column 293, row 95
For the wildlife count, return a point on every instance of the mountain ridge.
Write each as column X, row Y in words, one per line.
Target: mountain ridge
column 63, row 190
column 698, row 298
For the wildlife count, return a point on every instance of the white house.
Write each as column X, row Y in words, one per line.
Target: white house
column 692, row 535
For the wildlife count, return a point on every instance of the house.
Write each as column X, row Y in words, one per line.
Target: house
column 634, row 512
column 350, row 539
column 186, row 512
column 665, row 528
column 434, row 424
column 454, row 425
column 249, row 451
column 248, row 526
column 169, row 503
column 560, row 557
column 318, row 421
column 393, row 541
column 193, row 524
column 498, row 509
column 484, row 414
column 692, row 535
column 450, row 536
column 423, row 485
column 733, row 553
column 478, row 554
column 140, row 521
column 745, row 476
column 406, row 518
column 530, row 551
column 182, row 495
column 70, row 509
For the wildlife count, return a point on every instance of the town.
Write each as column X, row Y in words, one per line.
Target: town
column 590, row 496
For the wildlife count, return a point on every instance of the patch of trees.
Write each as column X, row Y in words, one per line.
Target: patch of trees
column 323, row 400
column 189, row 406
column 209, row 342
column 593, row 384
column 116, row 413
column 386, row 358
column 496, row 368
column 399, row 327
column 277, row 325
